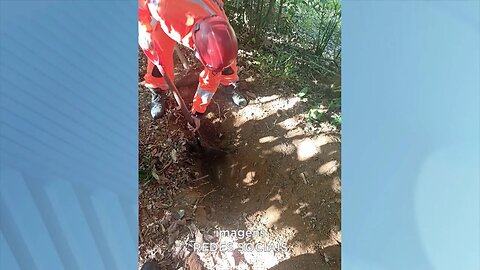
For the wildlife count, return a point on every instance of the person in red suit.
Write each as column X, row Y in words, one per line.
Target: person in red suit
column 200, row 25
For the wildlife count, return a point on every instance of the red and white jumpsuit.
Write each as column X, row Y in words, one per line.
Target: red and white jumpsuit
column 171, row 22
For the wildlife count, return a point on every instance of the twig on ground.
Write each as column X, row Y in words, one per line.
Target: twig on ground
column 166, row 166
column 218, row 107
column 269, row 193
column 274, row 123
column 200, row 178
column 204, row 183
column 304, row 178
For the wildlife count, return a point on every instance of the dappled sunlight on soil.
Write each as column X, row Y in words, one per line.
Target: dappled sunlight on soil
column 263, row 107
column 280, row 177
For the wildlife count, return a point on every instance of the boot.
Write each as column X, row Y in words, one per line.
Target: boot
column 236, row 96
column 157, row 105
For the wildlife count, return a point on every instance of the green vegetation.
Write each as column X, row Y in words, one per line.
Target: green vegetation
column 299, row 42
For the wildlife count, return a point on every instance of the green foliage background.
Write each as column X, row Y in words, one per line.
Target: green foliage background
column 298, row 41
column 312, row 25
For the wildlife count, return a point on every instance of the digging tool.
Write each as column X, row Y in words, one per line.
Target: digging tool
column 182, row 58
column 154, row 57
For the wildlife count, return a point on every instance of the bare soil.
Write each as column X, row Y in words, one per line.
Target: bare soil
column 280, row 177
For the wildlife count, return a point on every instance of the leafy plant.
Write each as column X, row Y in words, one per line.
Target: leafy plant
column 316, row 115
column 303, row 92
column 337, row 119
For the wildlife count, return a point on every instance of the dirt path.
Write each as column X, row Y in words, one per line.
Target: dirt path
column 280, row 179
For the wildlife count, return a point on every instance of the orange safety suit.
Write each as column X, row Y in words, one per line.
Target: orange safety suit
column 171, row 22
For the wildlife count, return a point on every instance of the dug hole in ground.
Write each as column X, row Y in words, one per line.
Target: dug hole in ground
column 280, row 181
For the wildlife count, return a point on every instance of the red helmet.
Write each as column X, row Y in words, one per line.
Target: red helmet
column 215, row 43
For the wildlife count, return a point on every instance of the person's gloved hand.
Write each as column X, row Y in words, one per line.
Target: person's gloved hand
column 145, row 40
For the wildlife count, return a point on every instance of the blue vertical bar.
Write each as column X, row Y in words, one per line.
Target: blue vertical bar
column 68, row 134
column 410, row 131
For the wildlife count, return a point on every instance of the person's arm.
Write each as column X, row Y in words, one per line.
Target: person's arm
column 220, row 3
column 207, row 86
column 144, row 26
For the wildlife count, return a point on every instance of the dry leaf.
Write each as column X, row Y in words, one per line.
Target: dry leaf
column 172, row 228
column 193, row 262
column 182, row 222
column 154, row 174
column 238, row 257
column 172, row 237
column 173, row 154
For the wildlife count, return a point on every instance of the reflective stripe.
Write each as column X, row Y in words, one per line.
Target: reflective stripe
column 204, row 94
column 201, row 100
column 161, row 85
column 201, row 3
column 153, row 22
column 153, row 6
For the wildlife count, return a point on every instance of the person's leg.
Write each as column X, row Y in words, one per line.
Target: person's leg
column 229, row 82
column 229, row 75
column 154, row 79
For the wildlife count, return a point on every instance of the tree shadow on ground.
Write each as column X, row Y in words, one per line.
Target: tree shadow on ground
column 278, row 177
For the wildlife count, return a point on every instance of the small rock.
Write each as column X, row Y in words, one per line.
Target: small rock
column 250, row 79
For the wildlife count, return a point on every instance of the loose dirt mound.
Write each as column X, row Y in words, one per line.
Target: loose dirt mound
column 281, row 180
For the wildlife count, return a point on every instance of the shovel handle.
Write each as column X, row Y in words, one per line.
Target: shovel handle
column 155, row 58
column 176, row 94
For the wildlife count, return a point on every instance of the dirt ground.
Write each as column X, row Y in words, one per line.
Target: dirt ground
column 279, row 177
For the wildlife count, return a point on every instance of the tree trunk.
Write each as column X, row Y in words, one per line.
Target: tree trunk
column 266, row 19
column 258, row 19
column 280, row 9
